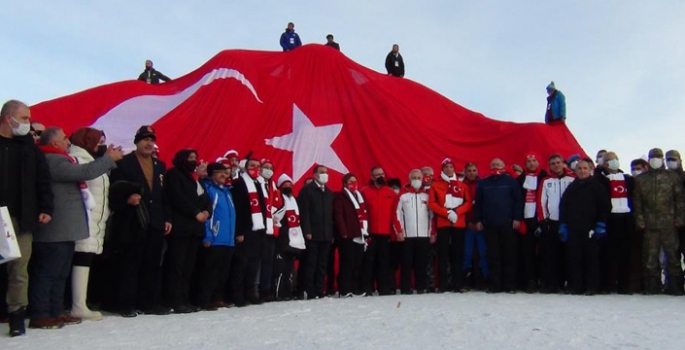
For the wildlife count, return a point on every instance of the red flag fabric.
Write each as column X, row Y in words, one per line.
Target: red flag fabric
column 309, row 106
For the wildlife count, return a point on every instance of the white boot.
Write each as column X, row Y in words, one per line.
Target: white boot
column 79, row 292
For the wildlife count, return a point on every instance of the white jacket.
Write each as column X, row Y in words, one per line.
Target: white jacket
column 414, row 216
column 550, row 196
column 97, row 217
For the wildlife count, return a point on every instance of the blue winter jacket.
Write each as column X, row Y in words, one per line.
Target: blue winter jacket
column 220, row 227
column 290, row 40
column 557, row 107
column 498, row 201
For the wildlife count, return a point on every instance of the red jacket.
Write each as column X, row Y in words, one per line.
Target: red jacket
column 380, row 204
column 436, row 202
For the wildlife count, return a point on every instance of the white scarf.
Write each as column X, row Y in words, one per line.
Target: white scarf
column 619, row 193
column 255, row 209
column 530, row 184
column 451, row 201
column 294, row 230
column 358, row 202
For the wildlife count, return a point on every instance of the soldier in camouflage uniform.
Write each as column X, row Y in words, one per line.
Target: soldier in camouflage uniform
column 675, row 164
column 659, row 206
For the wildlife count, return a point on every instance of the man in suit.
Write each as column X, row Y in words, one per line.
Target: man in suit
column 142, row 217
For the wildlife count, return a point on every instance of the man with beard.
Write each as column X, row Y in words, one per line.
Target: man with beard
column 151, row 75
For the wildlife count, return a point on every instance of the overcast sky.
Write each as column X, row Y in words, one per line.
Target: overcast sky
column 621, row 64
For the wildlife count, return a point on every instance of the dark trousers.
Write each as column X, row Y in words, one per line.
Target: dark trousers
column 636, row 265
column 282, row 285
column 314, row 267
column 267, row 266
column 330, row 270
column 394, row 264
column 50, row 269
column 415, row 256
column 140, row 271
column 245, row 266
column 375, row 269
column 215, row 266
column 3, row 292
column 582, row 263
column 529, row 253
column 450, row 242
column 351, row 257
column 179, row 265
column 551, row 262
column 615, row 253
column 502, row 244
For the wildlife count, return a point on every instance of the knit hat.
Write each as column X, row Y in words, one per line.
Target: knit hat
column 447, row 161
column 265, row 161
column 145, row 131
column 212, row 167
column 283, row 179
column 223, row 161
column 573, row 158
column 551, row 86
column 230, row 154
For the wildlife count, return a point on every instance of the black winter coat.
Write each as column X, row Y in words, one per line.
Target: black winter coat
column 36, row 192
column 127, row 223
column 154, row 75
column 241, row 200
column 181, row 191
column 583, row 205
column 498, row 201
column 394, row 65
column 316, row 212
column 128, row 169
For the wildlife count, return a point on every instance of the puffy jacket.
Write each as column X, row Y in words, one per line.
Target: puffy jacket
column 436, row 202
column 380, row 204
column 556, row 107
column 659, row 200
column 290, row 40
column 498, row 201
column 414, row 217
column 220, row 227
column 549, row 195
column 97, row 217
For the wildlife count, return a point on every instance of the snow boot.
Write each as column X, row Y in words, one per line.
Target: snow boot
column 652, row 286
column 79, row 292
column 17, row 324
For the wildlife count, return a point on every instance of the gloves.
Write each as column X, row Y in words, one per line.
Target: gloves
column 452, row 216
column 601, row 230
column 563, row 233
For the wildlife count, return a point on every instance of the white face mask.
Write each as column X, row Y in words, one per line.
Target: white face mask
column 267, row 173
column 323, row 178
column 397, row 191
column 600, row 161
column 636, row 173
column 574, row 165
column 416, row 184
column 613, row 164
column 21, row 130
column 656, row 163
column 672, row 164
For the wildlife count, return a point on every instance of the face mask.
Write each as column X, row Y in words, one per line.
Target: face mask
column 192, row 164
column 353, row 186
column 672, row 164
column 427, row 179
column 416, row 184
column 397, row 191
column 101, row 151
column 600, row 161
column 21, row 130
column 496, row 171
column 267, row 173
column 380, row 181
column 636, row 173
column 613, row 164
column 253, row 173
column 656, row 163
column 288, row 191
column 323, row 178
column 574, row 165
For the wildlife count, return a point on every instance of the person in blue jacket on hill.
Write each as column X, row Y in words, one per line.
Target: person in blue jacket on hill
column 556, row 106
column 219, row 239
column 289, row 39
column 499, row 211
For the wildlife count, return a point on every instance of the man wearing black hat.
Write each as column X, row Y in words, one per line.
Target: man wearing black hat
column 331, row 43
column 141, row 219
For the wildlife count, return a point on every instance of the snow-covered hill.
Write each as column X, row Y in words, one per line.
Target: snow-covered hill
column 445, row 321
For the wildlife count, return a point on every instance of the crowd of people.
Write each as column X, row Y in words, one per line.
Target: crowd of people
column 134, row 237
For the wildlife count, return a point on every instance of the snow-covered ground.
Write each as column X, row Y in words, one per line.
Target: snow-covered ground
column 445, row 321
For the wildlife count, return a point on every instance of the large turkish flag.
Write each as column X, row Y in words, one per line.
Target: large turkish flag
column 309, row 106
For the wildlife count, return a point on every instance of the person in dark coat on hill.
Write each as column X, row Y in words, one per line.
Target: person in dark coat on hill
column 190, row 208
column 331, row 43
column 141, row 218
column 499, row 211
column 316, row 219
column 394, row 63
column 289, row 39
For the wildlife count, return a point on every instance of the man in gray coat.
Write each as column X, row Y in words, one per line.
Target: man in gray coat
column 53, row 243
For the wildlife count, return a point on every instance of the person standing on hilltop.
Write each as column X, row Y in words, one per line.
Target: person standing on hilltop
column 289, row 39
column 556, row 106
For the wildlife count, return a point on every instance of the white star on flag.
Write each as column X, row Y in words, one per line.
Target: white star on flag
column 310, row 145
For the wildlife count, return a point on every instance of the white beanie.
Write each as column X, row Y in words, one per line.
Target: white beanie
column 282, row 179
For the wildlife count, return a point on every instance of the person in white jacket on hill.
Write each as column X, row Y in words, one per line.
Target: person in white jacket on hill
column 84, row 147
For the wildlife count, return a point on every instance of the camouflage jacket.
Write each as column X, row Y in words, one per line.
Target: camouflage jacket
column 659, row 200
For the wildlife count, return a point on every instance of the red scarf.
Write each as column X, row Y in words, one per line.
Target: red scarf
column 52, row 150
column 619, row 193
column 530, row 184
